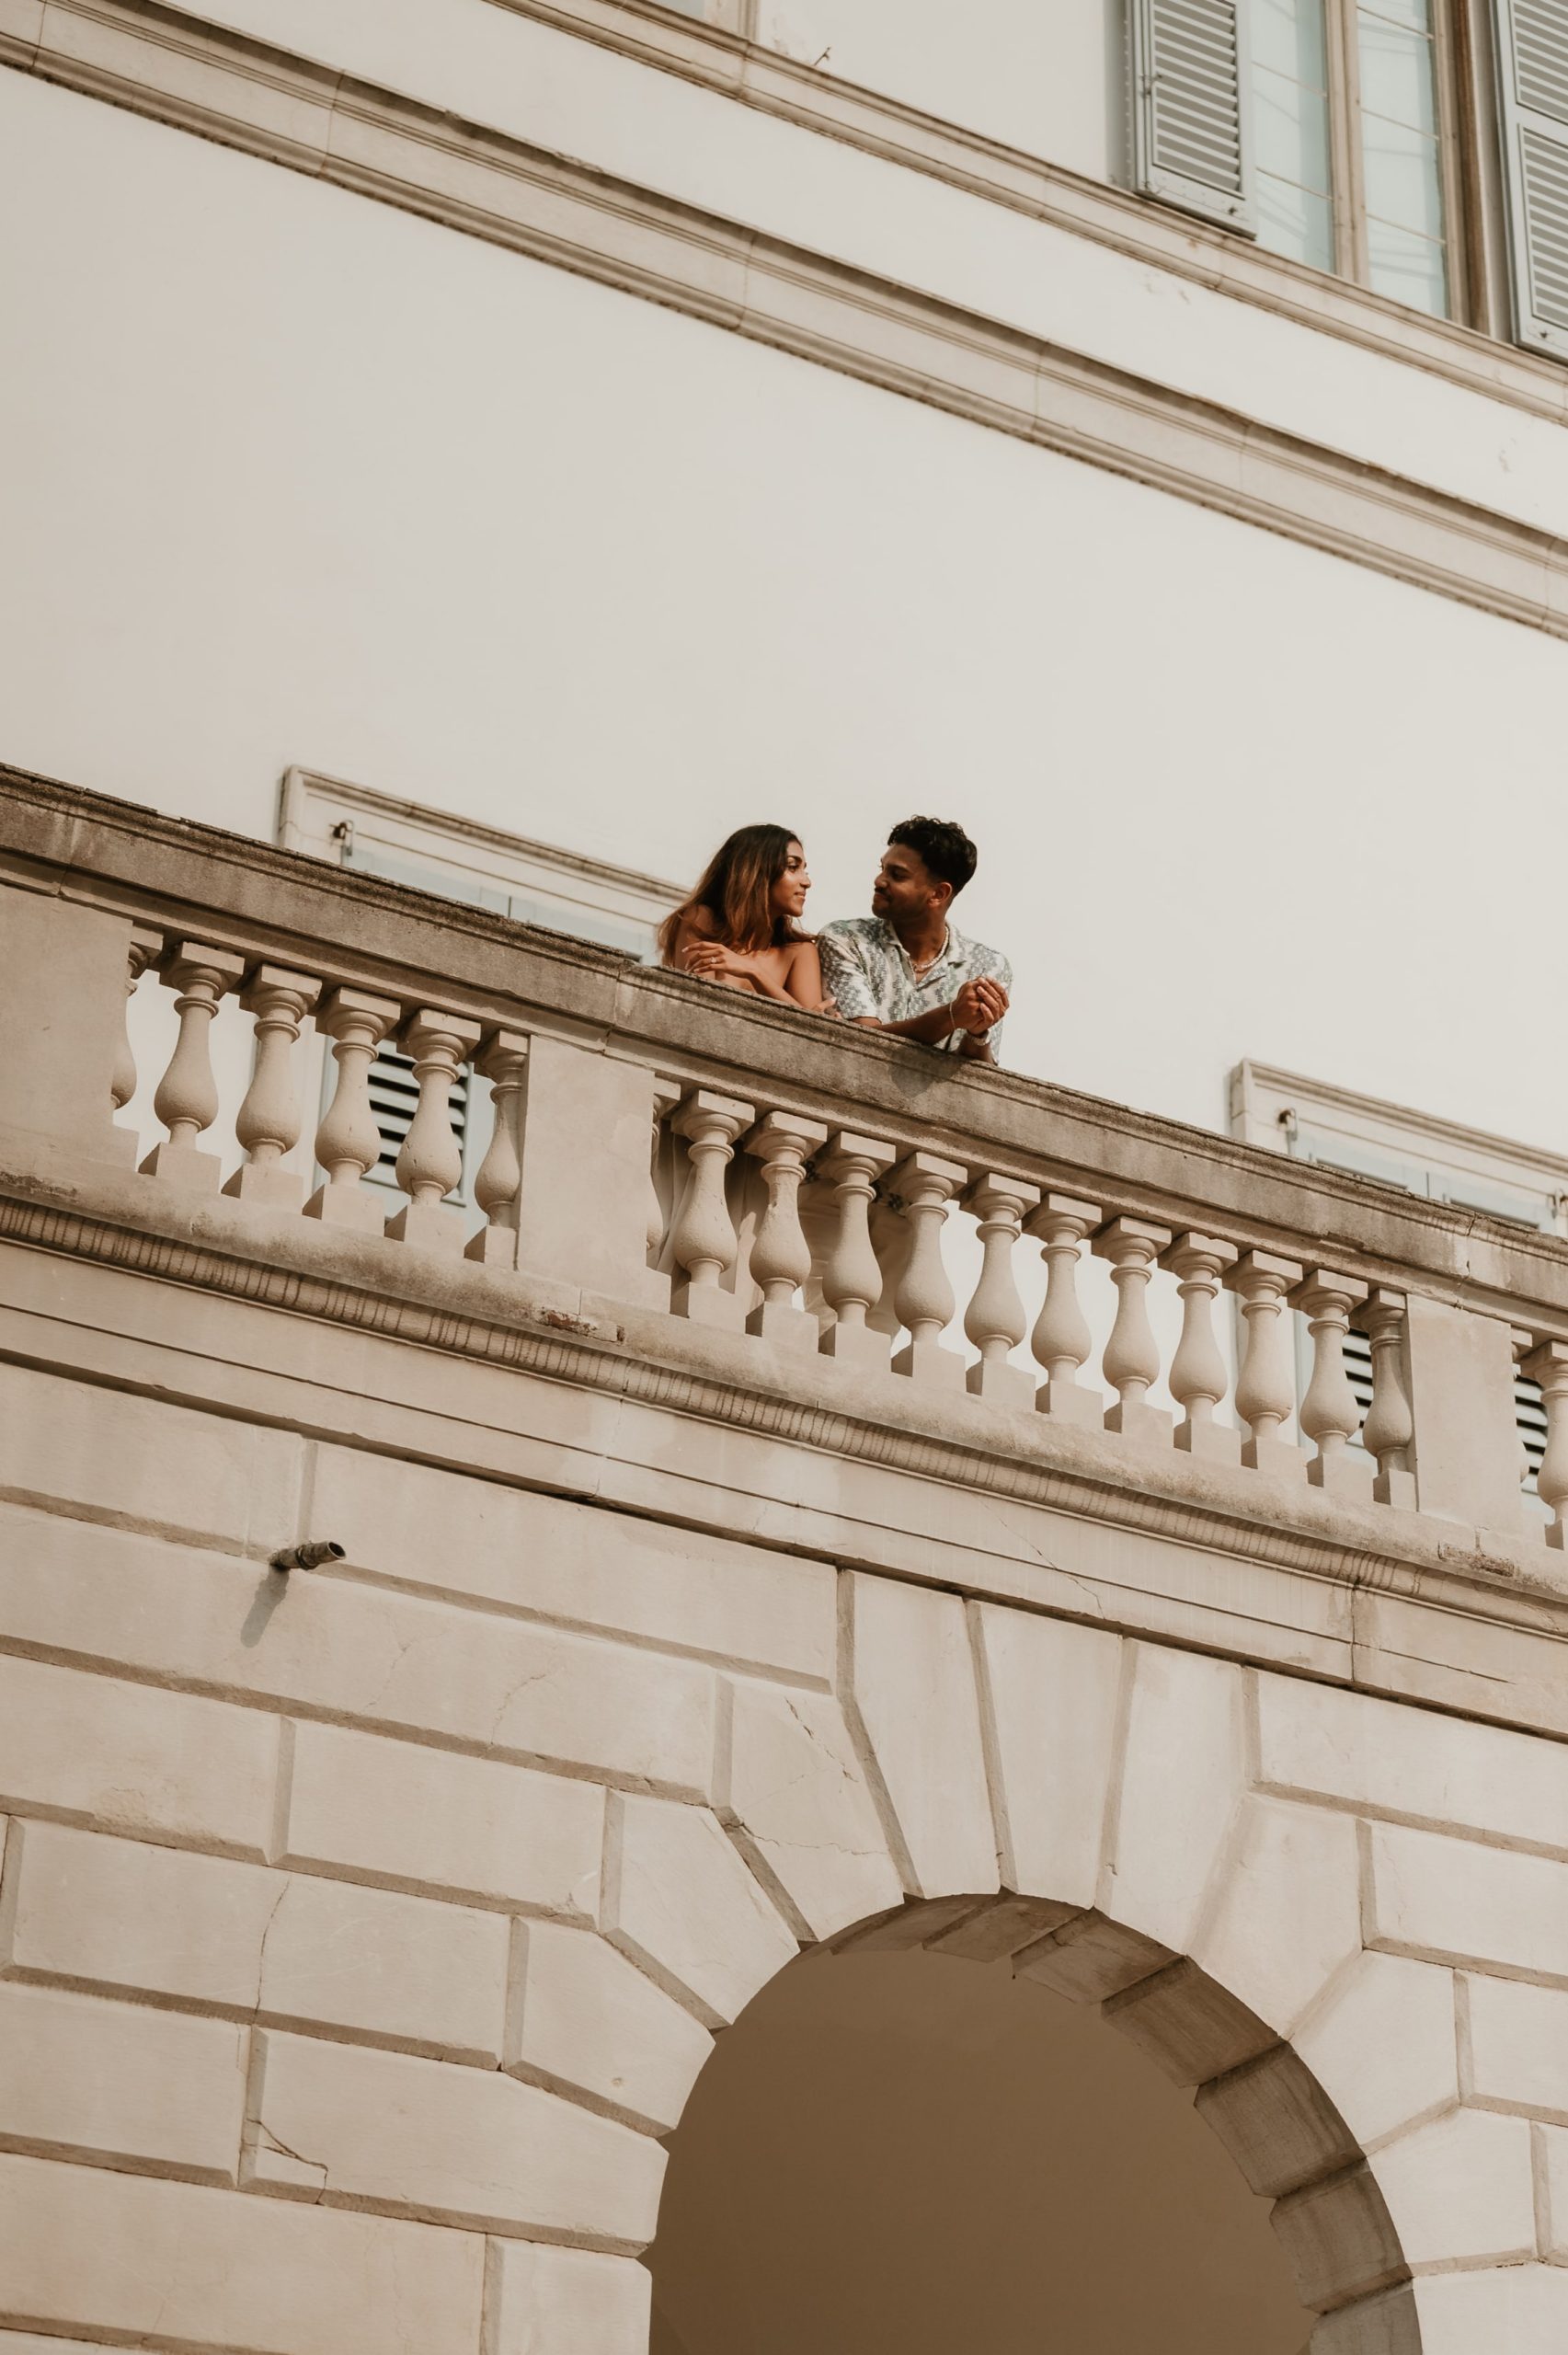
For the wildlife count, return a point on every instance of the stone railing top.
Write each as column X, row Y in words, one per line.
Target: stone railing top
column 282, row 905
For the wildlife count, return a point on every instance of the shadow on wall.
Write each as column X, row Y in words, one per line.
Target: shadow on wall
column 907, row 2151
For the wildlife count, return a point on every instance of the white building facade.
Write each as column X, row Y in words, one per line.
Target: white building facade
column 462, row 457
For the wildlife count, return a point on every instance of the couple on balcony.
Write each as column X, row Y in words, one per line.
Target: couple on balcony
column 904, row 969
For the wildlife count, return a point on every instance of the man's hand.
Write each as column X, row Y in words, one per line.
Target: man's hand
column 979, row 1005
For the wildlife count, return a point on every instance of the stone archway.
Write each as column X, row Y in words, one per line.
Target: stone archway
column 1154, row 1830
column 924, row 2134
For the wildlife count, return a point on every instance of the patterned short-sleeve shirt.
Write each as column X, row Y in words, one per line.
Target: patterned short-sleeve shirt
column 869, row 975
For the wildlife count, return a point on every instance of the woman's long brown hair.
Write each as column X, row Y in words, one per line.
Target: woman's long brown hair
column 736, row 889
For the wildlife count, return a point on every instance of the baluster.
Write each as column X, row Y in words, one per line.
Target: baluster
column 1266, row 1393
column 430, row 1164
column 1330, row 1415
column 186, row 1097
column 781, row 1257
column 994, row 1319
column 1549, row 1366
column 922, row 1185
column 1389, row 1426
column 1062, row 1339
column 703, row 1239
column 497, row 1182
column 269, row 1121
column 347, row 1142
column 851, row 1279
column 1131, row 1362
column 1197, row 1370
column 146, row 948
column 666, row 1095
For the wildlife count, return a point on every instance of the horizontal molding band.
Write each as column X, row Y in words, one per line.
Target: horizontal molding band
column 1441, row 1573
column 723, row 62
column 267, row 102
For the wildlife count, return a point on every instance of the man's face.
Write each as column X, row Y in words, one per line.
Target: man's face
column 905, row 887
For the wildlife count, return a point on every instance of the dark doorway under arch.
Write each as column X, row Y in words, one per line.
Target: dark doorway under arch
column 910, row 2154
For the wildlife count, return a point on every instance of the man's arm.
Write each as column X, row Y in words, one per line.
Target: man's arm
column 978, row 1007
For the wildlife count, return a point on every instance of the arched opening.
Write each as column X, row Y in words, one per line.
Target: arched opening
column 894, row 2148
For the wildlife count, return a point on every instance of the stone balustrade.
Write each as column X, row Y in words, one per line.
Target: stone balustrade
column 665, row 1157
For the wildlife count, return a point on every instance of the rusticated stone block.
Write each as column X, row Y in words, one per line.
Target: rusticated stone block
column 118, row 2082
column 1456, row 1900
column 455, row 2146
column 543, row 2300
column 155, row 1922
column 134, row 1758
column 577, row 1562
column 350, row 1648
column 1461, row 2187
column 401, row 1812
column 90, row 2249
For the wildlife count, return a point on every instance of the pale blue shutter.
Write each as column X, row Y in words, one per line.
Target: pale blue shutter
column 1189, row 104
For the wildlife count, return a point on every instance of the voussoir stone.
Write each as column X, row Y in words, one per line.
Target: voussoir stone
column 1288, row 1910
column 592, row 2018
column 914, row 1686
column 1048, row 1693
column 796, row 1792
column 1183, row 1773
column 679, row 1901
column 1382, row 2043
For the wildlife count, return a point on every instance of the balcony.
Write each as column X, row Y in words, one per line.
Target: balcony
column 749, row 1223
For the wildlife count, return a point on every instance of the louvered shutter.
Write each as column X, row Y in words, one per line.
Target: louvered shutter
column 1189, row 104
column 1532, row 63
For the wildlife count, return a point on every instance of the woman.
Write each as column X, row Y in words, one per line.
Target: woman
column 740, row 926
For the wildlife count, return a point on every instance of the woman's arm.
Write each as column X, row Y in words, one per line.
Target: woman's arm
column 803, row 979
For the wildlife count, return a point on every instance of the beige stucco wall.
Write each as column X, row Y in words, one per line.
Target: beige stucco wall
column 416, row 511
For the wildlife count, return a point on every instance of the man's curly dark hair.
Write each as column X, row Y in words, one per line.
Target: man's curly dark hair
column 942, row 844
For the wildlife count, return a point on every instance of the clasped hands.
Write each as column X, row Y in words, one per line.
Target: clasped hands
column 979, row 1005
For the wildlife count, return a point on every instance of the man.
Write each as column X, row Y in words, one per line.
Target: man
column 905, row 969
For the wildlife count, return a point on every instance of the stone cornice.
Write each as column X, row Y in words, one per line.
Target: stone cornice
column 714, row 58
column 657, row 1361
column 268, row 102
column 231, row 891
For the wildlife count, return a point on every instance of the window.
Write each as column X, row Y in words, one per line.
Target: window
column 1323, row 127
column 529, row 882
column 1313, row 1121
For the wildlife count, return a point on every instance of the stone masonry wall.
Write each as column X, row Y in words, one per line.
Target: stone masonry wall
column 362, row 1933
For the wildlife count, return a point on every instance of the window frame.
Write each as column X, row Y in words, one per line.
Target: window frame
column 1455, row 141
column 475, row 864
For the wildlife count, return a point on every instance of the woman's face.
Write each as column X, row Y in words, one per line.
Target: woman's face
column 787, row 897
